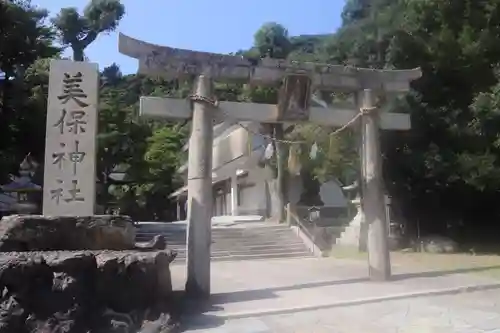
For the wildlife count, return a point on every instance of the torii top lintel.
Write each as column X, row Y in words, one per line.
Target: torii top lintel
column 171, row 63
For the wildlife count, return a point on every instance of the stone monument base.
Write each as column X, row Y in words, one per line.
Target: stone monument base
column 85, row 291
column 45, row 233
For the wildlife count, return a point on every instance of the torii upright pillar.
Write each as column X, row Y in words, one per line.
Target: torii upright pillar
column 199, row 183
column 373, row 204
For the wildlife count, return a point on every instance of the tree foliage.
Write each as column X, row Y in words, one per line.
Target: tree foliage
column 445, row 169
column 144, row 155
column 79, row 30
column 24, row 38
column 272, row 41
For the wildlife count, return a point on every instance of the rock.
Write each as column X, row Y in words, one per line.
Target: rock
column 115, row 322
column 436, row 244
column 12, row 315
column 45, row 233
column 157, row 243
column 163, row 324
column 82, row 291
column 121, row 270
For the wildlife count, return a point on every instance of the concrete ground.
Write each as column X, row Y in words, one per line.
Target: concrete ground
column 328, row 295
column 429, row 261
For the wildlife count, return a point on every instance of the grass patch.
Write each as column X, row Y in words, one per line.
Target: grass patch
column 346, row 252
column 430, row 261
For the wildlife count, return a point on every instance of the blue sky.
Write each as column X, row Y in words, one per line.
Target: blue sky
column 221, row 26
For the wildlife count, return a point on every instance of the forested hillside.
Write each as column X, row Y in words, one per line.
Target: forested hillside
column 445, row 171
column 443, row 174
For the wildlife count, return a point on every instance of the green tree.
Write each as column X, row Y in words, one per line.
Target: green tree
column 163, row 160
column 445, row 167
column 272, row 41
column 24, row 39
column 457, row 45
column 126, row 144
column 79, row 31
column 138, row 150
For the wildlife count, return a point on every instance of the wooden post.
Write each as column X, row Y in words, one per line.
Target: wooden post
column 199, row 215
column 280, row 172
column 234, row 195
column 373, row 196
column 288, row 214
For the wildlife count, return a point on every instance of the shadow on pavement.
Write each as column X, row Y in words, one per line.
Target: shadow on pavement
column 201, row 322
column 431, row 274
column 269, row 293
column 196, row 316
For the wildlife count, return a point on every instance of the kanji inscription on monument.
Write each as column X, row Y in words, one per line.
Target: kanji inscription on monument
column 70, row 147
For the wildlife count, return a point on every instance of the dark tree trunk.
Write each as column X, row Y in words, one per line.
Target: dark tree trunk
column 78, row 54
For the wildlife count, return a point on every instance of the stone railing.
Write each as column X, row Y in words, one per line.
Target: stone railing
column 321, row 225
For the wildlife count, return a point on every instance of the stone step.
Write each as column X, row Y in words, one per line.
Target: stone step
column 218, row 234
column 233, row 243
column 246, row 246
column 216, row 254
column 226, row 226
column 223, row 237
column 217, row 229
column 257, row 250
column 271, row 256
column 250, row 245
column 225, row 233
column 266, row 238
column 243, row 247
column 215, row 247
column 265, row 246
column 243, row 241
column 181, row 256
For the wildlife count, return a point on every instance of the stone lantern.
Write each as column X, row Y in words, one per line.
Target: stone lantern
column 18, row 195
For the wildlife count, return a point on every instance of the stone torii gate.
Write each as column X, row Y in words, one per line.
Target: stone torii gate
column 297, row 80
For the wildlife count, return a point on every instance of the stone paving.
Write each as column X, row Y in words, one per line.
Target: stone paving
column 326, row 295
column 476, row 312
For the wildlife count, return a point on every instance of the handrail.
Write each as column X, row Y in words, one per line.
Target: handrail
column 316, row 230
column 298, row 222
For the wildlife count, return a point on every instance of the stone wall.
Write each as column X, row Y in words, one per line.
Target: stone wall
column 83, row 291
column 64, row 274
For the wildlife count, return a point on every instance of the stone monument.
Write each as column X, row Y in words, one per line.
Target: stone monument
column 70, row 148
column 331, row 194
column 297, row 80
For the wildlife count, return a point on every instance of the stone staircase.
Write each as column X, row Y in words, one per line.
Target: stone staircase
column 244, row 241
